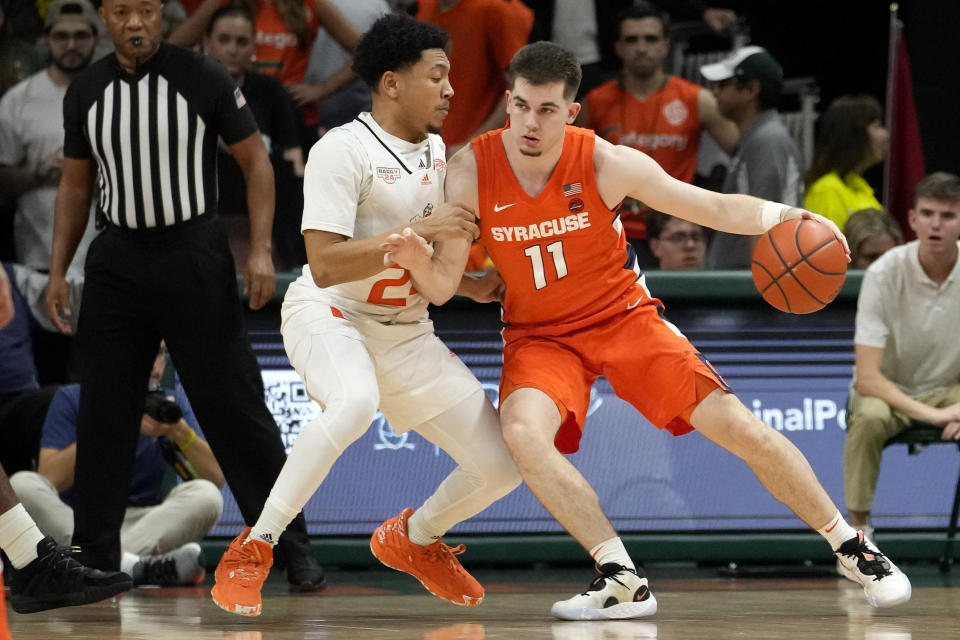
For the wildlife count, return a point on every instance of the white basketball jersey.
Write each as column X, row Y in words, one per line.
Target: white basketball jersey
column 360, row 182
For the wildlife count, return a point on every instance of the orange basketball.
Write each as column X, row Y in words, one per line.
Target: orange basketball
column 799, row 266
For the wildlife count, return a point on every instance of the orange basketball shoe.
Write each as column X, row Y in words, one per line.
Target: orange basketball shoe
column 240, row 575
column 435, row 565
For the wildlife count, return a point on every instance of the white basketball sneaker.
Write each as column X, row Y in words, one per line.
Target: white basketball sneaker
column 883, row 583
column 617, row 593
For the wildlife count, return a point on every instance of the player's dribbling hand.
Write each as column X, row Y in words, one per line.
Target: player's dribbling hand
column 57, row 303
column 450, row 220
column 406, row 249
column 795, row 212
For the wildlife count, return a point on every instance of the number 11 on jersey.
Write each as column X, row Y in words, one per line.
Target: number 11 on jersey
column 535, row 254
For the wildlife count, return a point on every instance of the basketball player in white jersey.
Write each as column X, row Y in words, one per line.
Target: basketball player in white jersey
column 358, row 333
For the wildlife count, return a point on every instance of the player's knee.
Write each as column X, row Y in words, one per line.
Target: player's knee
column 500, row 472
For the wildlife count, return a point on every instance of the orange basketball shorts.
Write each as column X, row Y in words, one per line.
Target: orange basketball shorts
column 647, row 361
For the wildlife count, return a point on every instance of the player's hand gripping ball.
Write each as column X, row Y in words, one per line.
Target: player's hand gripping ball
column 799, row 266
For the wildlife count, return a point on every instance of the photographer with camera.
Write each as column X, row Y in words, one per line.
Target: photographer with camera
column 160, row 527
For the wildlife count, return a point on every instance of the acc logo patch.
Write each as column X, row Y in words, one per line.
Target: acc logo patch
column 675, row 112
column 388, row 174
column 575, row 205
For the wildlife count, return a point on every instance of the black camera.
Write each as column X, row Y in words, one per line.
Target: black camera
column 158, row 407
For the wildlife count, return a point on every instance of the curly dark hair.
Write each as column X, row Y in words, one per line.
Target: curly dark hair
column 395, row 42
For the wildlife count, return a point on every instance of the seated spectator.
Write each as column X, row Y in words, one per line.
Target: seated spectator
column 230, row 39
column 327, row 58
column 850, row 139
column 906, row 365
column 870, row 233
column 648, row 109
column 159, row 529
column 678, row 244
column 23, row 403
column 285, row 31
column 766, row 163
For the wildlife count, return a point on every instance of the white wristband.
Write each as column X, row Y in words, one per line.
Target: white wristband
column 771, row 214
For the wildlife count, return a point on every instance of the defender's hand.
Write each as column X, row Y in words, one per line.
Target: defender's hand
column 450, row 220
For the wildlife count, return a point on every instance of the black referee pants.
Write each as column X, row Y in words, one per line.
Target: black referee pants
column 176, row 284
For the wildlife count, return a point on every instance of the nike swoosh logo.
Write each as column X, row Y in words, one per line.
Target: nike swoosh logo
column 833, row 526
column 498, row 208
column 631, row 306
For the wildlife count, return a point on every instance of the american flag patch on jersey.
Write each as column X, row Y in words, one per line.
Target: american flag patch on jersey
column 572, row 189
column 238, row 96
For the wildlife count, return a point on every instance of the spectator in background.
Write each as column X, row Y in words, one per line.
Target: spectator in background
column 163, row 519
column 851, row 138
column 230, row 40
column 328, row 57
column 766, row 162
column 31, row 159
column 484, row 35
column 870, row 233
column 587, row 28
column 678, row 244
column 906, row 365
column 18, row 58
column 647, row 109
column 23, row 403
column 285, row 31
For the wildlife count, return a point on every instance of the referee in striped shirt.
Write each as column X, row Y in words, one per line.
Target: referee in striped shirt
column 143, row 124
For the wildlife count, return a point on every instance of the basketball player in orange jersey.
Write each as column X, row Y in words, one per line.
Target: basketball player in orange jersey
column 577, row 308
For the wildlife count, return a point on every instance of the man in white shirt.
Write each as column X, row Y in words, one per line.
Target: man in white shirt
column 358, row 334
column 907, row 360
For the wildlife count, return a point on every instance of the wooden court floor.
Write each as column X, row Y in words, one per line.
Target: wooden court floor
column 380, row 604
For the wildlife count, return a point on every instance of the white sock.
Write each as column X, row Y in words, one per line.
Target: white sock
column 419, row 533
column 837, row 531
column 272, row 522
column 612, row 551
column 19, row 536
column 128, row 561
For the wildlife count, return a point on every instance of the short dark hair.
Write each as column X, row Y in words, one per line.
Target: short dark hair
column 229, row 11
column 768, row 94
column 655, row 222
column 939, row 185
column 545, row 62
column 640, row 10
column 394, row 42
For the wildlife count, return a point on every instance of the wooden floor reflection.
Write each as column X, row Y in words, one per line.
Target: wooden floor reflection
column 382, row 605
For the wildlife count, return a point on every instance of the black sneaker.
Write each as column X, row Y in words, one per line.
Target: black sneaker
column 184, row 566
column 54, row 579
column 304, row 573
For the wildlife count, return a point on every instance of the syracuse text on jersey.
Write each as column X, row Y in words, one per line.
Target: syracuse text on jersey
column 545, row 229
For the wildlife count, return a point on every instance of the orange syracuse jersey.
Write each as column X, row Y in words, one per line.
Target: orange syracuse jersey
column 562, row 254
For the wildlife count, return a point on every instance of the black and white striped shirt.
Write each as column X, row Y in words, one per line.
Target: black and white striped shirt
column 153, row 134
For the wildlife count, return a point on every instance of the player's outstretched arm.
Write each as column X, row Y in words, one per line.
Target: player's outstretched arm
column 625, row 172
